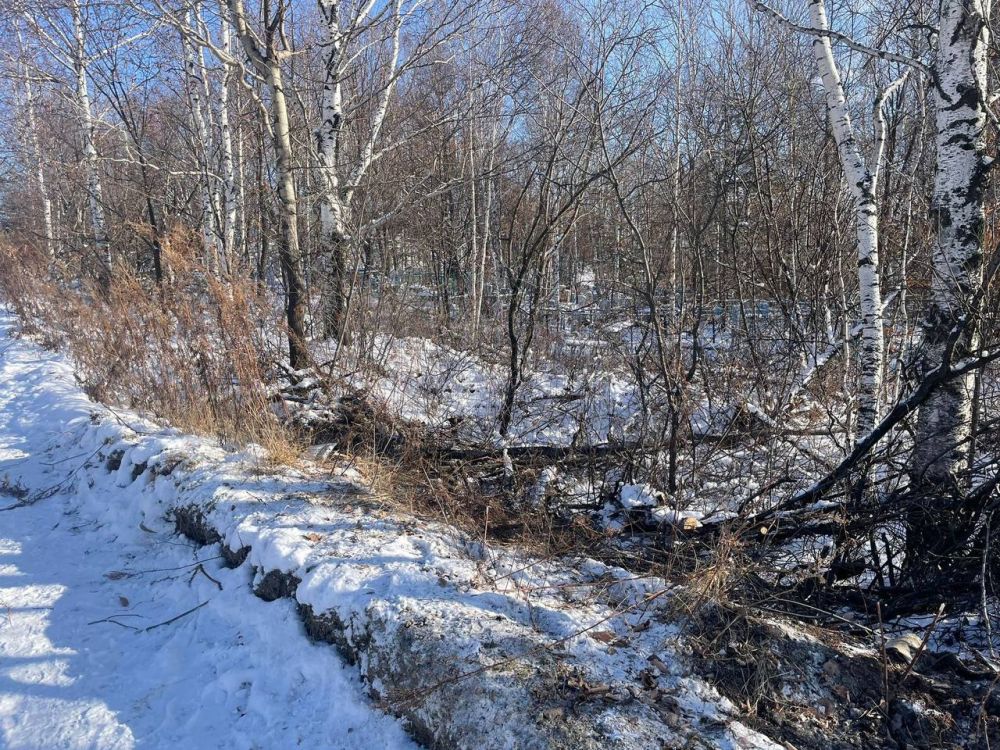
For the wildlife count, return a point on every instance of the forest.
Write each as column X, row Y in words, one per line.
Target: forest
column 696, row 291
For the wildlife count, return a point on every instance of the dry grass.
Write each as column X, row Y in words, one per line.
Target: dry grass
column 196, row 350
column 397, row 461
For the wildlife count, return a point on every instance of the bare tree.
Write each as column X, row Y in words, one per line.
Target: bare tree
column 943, row 521
column 36, row 148
column 266, row 54
column 862, row 176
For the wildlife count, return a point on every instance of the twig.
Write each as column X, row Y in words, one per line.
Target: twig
column 818, row 611
column 62, row 460
column 983, row 601
column 167, row 570
column 175, row 619
column 201, row 569
column 50, row 491
column 984, row 661
column 885, row 657
column 881, row 54
column 113, row 621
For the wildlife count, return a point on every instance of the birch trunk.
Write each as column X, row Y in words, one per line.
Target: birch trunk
column 473, row 234
column 216, row 183
column 241, row 200
column 675, row 224
column 862, row 184
column 267, row 62
column 95, row 191
column 941, row 525
column 226, row 136
column 291, row 263
column 674, row 251
column 36, row 148
column 481, row 251
column 194, row 64
column 337, row 192
column 332, row 207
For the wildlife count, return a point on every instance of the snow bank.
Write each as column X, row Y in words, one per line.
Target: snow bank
column 472, row 647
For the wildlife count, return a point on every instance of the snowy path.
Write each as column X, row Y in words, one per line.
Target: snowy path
column 236, row 673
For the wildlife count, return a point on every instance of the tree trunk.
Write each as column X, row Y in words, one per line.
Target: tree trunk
column 36, row 150
column 332, row 207
column 290, row 254
column 268, row 64
column 95, row 192
column 861, row 182
column 194, row 64
column 939, row 524
column 228, row 162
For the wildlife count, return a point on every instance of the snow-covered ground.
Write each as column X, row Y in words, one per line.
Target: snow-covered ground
column 89, row 657
column 119, row 633
column 419, row 380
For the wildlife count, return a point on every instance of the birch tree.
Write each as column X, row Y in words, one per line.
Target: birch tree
column 95, row 190
column 230, row 188
column 266, row 54
column 942, row 521
column 862, row 177
column 943, row 514
column 196, row 82
column 483, row 137
column 862, row 183
column 347, row 26
column 36, row 149
column 65, row 32
column 336, row 197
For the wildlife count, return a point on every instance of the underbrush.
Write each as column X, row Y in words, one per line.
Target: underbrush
column 205, row 354
column 195, row 350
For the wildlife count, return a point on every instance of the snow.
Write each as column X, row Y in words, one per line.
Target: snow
column 687, row 518
column 411, row 603
column 422, row 381
column 80, row 582
column 634, row 496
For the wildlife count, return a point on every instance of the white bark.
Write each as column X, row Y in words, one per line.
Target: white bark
column 332, row 208
column 266, row 60
column 241, row 201
column 194, row 66
column 862, row 184
column 226, row 136
column 484, row 98
column 29, row 104
column 481, row 241
column 335, row 204
column 473, row 231
column 675, row 224
column 959, row 184
column 95, row 191
column 393, row 71
column 216, row 183
column 674, row 252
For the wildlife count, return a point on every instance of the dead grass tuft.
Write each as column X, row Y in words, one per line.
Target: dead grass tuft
column 195, row 350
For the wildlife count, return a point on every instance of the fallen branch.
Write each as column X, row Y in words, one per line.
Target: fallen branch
column 175, row 619
column 201, row 569
column 113, row 621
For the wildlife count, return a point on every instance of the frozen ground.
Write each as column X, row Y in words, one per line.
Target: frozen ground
column 119, row 634
column 419, row 380
column 116, row 632
column 84, row 659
